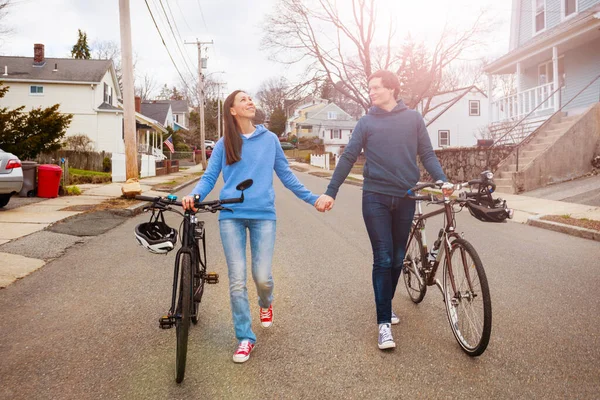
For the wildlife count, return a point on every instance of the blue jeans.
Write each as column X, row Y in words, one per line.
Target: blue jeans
column 262, row 243
column 388, row 220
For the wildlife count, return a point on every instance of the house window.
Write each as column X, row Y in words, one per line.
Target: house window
column 177, row 118
column 110, row 96
column 474, row 108
column 546, row 72
column 539, row 20
column 105, row 93
column 331, row 115
column 569, row 8
column 336, row 134
column 37, row 90
column 443, row 138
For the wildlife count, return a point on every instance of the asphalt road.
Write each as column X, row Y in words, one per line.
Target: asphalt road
column 85, row 325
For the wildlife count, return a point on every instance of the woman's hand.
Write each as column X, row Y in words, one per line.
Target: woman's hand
column 188, row 203
column 324, row 203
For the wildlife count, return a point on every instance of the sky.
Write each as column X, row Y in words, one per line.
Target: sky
column 235, row 27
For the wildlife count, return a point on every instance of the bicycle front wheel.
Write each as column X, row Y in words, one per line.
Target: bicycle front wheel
column 467, row 298
column 183, row 315
column 414, row 279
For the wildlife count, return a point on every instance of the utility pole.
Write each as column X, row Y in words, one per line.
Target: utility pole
column 220, row 130
column 131, row 166
column 201, row 99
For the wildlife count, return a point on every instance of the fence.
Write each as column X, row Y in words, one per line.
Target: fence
column 321, row 161
column 88, row 160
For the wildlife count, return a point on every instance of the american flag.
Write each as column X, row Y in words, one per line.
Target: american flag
column 169, row 143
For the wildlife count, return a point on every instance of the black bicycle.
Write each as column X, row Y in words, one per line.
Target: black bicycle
column 190, row 273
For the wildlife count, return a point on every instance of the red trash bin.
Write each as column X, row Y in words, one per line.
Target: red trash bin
column 48, row 180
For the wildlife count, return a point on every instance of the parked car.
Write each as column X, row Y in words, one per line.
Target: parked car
column 11, row 176
column 287, row 146
column 209, row 144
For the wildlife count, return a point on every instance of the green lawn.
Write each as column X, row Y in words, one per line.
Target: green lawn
column 83, row 172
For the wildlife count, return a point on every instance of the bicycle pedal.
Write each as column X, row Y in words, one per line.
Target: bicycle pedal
column 212, row 278
column 166, row 322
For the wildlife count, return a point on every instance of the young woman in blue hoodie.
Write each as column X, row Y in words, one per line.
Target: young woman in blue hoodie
column 248, row 152
column 392, row 136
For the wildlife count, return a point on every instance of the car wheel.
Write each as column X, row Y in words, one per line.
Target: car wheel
column 4, row 199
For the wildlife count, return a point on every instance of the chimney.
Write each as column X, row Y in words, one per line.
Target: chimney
column 138, row 104
column 38, row 54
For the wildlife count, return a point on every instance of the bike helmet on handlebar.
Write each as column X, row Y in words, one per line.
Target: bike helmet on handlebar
column 487, row 214
column 156, row 236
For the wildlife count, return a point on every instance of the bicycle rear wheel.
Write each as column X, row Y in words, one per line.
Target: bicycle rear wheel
column 413, row 270
column 182, row 321
column 468, row 303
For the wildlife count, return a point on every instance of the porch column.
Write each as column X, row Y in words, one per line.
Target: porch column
column 147, row 139
column 555, row 75
column 520, row 105
column 490, row 99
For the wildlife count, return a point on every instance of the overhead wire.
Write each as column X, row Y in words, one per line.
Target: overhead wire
column 165, row 45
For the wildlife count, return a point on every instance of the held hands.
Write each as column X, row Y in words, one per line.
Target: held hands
column 324, row 203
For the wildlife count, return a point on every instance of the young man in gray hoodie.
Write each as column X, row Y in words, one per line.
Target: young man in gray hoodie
column 392, row 136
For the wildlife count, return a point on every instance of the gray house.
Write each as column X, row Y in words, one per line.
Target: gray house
column 554, row 54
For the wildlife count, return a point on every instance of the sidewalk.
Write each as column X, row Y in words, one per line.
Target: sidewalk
column 19, row 222
column 528, row 210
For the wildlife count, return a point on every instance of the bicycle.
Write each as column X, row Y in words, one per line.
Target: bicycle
column 190, row 270
column 464, row 284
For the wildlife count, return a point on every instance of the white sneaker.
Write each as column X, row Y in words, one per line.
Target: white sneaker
column 386, row 341
column 395, row 319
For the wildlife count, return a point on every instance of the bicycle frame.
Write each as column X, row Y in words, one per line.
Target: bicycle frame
column 193, row 231
column 448, row 232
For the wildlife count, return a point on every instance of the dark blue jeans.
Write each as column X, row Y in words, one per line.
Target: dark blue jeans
column 388, row 220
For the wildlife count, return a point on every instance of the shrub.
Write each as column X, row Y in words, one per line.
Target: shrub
column 72, row 191
column 106, row 164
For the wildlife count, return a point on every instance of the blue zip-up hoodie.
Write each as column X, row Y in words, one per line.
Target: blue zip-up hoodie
column 261, row 154
column 391, row 141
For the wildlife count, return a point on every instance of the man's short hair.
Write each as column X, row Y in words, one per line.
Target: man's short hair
column 389, row 80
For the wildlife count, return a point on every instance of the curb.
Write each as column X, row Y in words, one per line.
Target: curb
column 563, row 228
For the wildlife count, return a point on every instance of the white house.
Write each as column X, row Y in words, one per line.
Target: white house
column 88, row 89
column 456, row 118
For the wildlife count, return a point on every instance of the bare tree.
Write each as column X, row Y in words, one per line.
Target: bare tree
column 146, row 87
column 4, row 4
column 303, row 28
column 344, row 49
column 272, row 93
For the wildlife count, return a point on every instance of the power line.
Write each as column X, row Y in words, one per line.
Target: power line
column 173, row 33
column 164, row 44
column 183, row 15
column 202, row 15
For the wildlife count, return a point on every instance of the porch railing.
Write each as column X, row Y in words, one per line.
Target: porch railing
column 528, row 138
column 522, row 103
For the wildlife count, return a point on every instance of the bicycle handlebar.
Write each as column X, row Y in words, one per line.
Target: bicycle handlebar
column 212, row 206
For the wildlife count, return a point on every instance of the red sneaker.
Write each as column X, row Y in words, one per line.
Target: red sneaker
column 242, row 354
column 266, row 316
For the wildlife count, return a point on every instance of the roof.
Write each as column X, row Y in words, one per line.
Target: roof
column 178, row 106
column 155, row 110
column 106, row 106
column 308, row 110
column 149, row 121
column 67, row 69
column 321, row 118
column 545, row 38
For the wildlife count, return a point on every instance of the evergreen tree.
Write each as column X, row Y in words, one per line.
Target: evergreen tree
column 81, row 50
column 277, row 121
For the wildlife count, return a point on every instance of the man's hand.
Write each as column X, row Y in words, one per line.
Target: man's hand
column 188, row 203
column 324, row 203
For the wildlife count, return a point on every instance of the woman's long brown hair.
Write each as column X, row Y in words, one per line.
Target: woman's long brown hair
column 232, row 139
